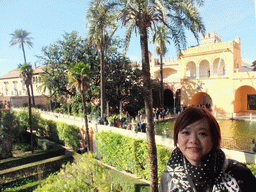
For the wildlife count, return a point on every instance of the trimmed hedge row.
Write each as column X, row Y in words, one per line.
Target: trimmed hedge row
column 129, row 154
column 17, row 161
column 25, row 188
column 24, row 171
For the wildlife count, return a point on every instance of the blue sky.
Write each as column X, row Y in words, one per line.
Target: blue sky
column 47, row 20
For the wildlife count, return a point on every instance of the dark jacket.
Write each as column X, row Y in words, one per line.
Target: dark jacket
column 243, row 176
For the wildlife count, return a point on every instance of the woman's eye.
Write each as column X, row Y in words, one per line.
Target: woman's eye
column 203, row 134
column 185, row 132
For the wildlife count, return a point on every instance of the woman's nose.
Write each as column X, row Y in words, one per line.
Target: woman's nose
column 193, row 138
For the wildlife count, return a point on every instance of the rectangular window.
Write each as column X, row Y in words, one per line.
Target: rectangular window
column 251, row 102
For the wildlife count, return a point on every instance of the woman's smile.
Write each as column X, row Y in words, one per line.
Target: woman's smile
column 194, row 149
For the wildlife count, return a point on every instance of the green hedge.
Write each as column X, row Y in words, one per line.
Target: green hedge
column 17, row 161
column 27, row 170
column 62, row 133
column 129, row 154
column 69, row 134
column 59, row 132
column 29, row 187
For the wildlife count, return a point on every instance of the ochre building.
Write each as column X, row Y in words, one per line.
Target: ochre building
column 210, row 74
column 13, row 91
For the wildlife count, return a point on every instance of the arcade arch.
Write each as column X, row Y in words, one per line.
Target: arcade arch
column 202, row 98
column 204, row 69
column 191, row 70
column 241, row 102
column 219, row 68
column 166, row 72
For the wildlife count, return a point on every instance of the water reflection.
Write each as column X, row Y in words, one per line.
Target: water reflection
column 236, row 134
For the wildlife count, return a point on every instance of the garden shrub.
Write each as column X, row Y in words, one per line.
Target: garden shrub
column 87, row 174
column 55, row 131
column 128, row 184
column 84, row 174
column 9, row 132
column 37, row 121
column 23, row 147
column 50, row 129
column 129, row 154
column 69, row 135
column 24, row 105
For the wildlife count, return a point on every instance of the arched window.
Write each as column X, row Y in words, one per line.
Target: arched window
column 191, row 70
column 204, row 69
column 219, row 68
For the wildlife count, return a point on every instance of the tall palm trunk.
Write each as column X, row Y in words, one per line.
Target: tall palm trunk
column 22, row 45
column 1, row 114
column 161, row 81
column 89, row 148
column 152, row 153
column 32, row 94
column 102, row 80
column 30, row 118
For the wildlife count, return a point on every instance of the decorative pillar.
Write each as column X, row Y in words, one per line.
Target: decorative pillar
column 174, row 104
column 197, row 71
column 120, row 108
column 107, row 108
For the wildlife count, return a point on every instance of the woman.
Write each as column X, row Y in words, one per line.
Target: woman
column 197, row 163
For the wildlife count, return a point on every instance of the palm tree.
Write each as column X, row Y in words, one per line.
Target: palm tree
column 26, row 72
column 142, row 15
column 160, row 38
column 21, row 37
column 101, row 29
column 80, row 75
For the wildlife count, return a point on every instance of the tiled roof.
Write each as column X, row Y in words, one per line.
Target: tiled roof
column 16, row 73
column 39, row 69
column 11, row 74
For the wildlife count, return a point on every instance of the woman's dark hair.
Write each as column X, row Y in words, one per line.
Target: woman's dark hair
column 193, row 114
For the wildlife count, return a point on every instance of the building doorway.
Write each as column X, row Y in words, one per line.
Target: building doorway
column 244, row 99
column 202, row 99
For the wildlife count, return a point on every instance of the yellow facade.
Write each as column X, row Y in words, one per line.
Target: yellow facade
column 13, row 90
column 210, row 73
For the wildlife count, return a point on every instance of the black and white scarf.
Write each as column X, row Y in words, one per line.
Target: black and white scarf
column 210, row 174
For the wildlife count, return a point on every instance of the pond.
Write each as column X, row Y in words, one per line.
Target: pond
column 236, row 134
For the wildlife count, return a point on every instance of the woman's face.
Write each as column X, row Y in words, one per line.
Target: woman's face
column 195, row 141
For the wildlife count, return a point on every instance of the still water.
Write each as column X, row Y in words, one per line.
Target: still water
column 236, row 134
